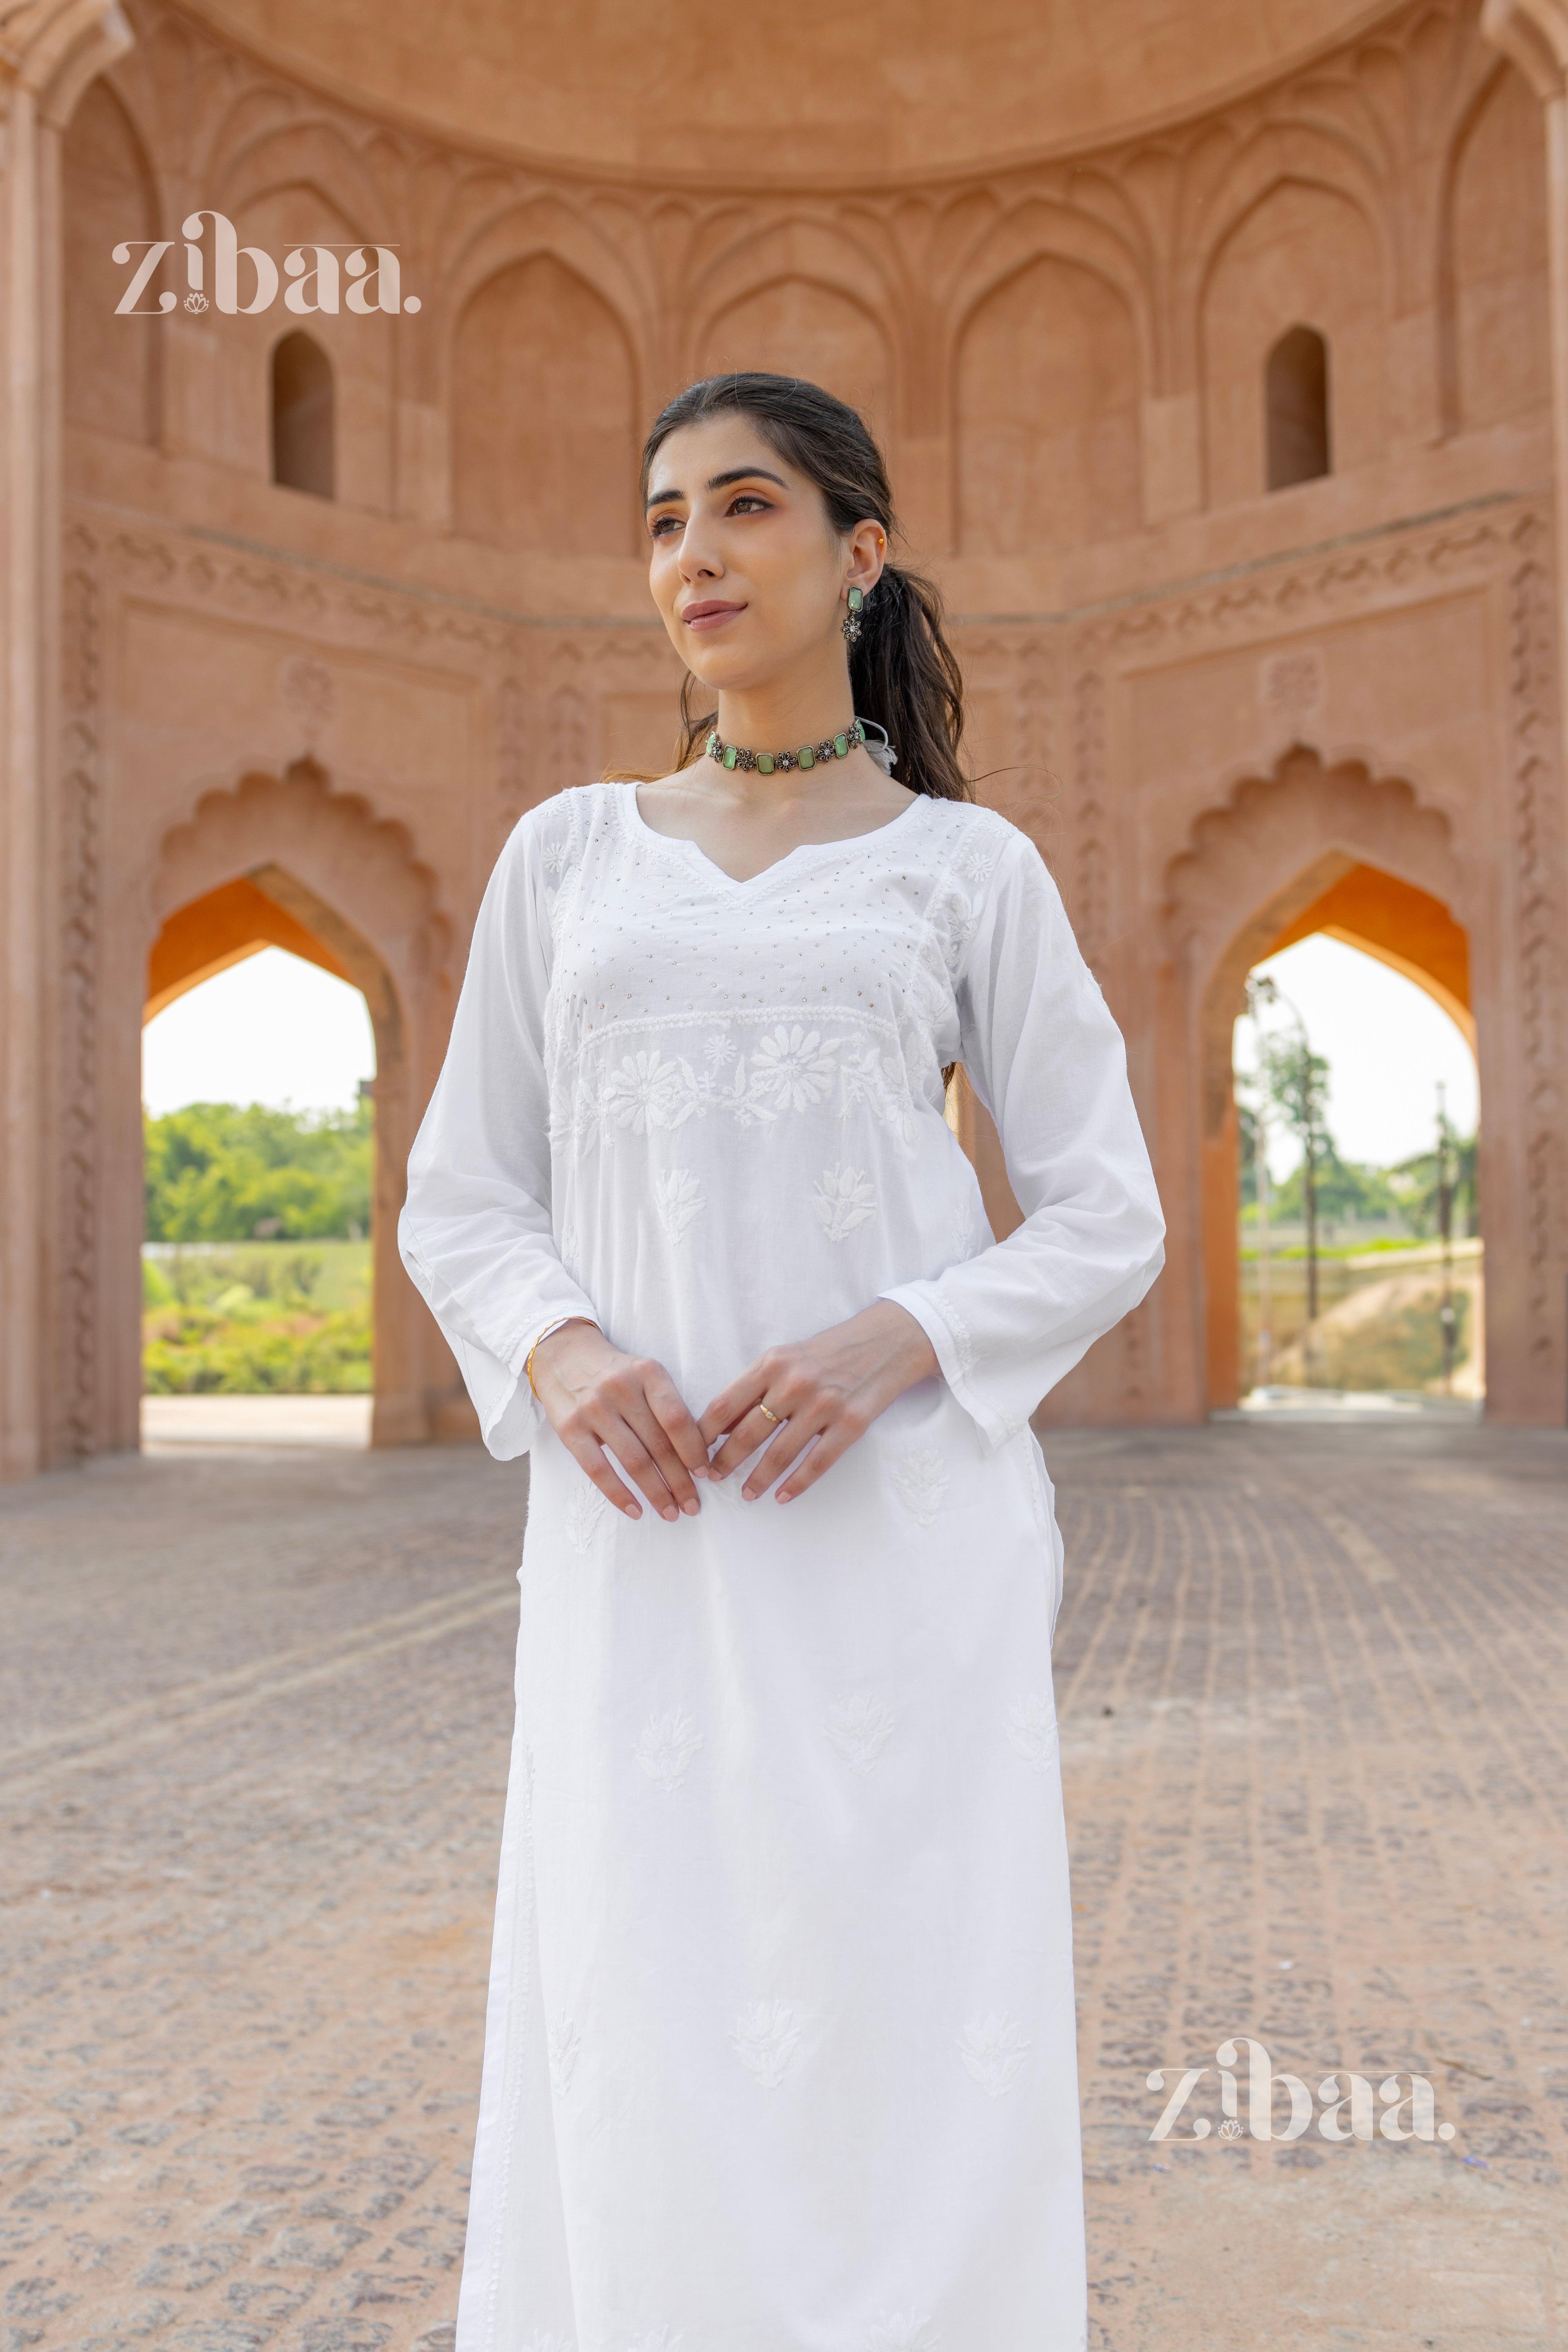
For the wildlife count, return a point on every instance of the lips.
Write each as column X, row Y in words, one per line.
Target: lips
column 710, row 615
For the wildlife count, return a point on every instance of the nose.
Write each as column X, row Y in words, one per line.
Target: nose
column 700, row 560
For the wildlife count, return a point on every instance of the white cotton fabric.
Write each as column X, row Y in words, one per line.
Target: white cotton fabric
column 780, row 2048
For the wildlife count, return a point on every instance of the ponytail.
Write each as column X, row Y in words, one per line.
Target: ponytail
column 903, row 673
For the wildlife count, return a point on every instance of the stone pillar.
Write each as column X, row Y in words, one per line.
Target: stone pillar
column 49, row 51
column 1534, row 34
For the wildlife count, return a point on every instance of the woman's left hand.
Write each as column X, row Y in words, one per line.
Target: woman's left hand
column 823, row 1393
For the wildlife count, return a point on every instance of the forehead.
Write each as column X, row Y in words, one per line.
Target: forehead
column 689, row 458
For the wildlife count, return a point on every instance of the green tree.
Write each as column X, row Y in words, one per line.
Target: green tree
column 1297, row 1084
column 1417, row 1184
column 224, row 1171
column 1346, row 1188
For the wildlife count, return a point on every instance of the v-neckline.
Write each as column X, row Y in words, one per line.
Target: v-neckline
column 683, row 842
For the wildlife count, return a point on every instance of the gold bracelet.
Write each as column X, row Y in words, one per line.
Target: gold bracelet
column 549, row 1334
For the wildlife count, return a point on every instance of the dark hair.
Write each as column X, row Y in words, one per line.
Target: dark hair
column 903, row 673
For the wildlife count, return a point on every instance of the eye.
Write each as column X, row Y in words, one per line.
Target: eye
column 662, row 525
column 748, row 498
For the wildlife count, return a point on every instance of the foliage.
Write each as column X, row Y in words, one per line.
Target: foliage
column 1346, row 1188
column 226, row 1172
column 1417, row 1184
column 1297, row 1081
column 269, row 1317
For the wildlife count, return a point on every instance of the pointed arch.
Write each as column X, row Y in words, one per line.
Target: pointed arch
column 326, row 866
column 1492, row 266
column 1250, row 879
column 543, row 413
column 113, row 363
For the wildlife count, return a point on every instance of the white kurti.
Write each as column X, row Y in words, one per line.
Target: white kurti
column 780, row 2050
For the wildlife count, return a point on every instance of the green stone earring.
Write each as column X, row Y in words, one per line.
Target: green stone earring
column 852, row 618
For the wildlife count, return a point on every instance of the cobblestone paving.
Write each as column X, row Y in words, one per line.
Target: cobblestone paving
column 255, row 1707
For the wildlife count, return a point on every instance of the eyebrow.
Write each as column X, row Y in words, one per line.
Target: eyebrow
column 720, row 482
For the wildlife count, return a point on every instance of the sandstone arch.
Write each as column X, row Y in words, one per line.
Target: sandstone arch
column 801, row 326
column 1493, row 260
column 1314, row 846
column 1033, row 230
column 544, row 418
column 482, row 238
column 112, row 366
column 313, row 157
column 1303, row 251
column 285, row 860
column 1046, row 413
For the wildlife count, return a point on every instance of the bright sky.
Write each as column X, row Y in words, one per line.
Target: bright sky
column 273, row 1030
column 1386, row 1043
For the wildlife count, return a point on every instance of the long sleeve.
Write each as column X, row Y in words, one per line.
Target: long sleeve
column 1047, row 1061
column 476, row 1231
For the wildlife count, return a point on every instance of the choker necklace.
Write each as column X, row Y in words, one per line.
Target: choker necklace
column 808, row 755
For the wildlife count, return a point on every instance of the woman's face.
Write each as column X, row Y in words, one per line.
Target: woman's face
column 745, row 567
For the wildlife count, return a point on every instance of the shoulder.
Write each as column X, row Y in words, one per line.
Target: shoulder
column 549, row 836
column 982, row 846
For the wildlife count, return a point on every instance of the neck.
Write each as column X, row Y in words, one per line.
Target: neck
column 782, row 713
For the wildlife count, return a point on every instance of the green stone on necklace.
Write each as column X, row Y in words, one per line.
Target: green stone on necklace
column 832, row 747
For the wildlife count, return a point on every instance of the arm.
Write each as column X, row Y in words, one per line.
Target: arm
column 1047, row 1061
column 476, row 1232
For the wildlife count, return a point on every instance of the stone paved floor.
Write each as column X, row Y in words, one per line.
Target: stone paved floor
column 255, row 1705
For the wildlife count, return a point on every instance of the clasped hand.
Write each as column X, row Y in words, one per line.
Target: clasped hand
column 822, row 1393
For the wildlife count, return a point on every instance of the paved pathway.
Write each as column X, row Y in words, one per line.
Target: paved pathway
column 255, row 1706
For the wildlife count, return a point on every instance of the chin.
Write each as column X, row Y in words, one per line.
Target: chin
column 732, row 676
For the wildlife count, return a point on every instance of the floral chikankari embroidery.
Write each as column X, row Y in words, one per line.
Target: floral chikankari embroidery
column 1032, row 1732
column 993, row 2048
column 860, row 1728
column 645, row 1091
column 902, row 2331
column 668, row 1745
column 564, row 2042
column 921, row 1481
column 679, row 1197
column 795, row 1069
column 549, row 2343
column 765, row 2038
column 843, row 1200
column 585, row 1507
column 661, row 2339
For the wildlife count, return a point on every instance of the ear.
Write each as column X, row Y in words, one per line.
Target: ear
column 867, row 552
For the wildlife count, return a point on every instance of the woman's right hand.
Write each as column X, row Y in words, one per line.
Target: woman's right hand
column 594, row 1397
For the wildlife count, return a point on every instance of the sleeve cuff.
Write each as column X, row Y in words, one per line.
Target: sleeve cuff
column 954, row 1346
column 510, row 1413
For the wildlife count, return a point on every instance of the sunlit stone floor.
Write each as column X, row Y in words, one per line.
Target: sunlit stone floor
column 255, row 1706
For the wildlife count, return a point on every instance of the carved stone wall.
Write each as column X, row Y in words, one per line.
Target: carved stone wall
column 1065, row 356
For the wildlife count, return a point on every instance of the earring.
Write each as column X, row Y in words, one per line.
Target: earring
column 852, row 618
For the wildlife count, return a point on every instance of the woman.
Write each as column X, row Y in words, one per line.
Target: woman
column 780, row 2049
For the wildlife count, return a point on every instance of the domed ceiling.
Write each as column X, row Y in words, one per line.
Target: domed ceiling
column 732, row 90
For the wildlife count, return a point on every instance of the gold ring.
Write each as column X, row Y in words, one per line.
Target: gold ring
column 776, row 1418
